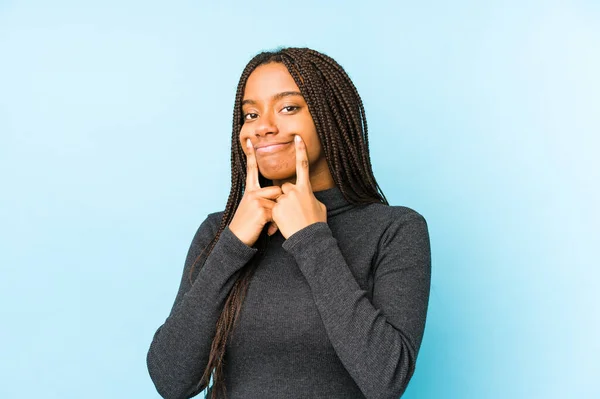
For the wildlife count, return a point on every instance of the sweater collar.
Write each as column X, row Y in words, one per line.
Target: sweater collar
column 334, row 200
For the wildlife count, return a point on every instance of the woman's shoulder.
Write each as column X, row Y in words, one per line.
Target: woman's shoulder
column 381, row 222
column 391, row 214
column 396, row 226
column 215, row 217
column 208, row 227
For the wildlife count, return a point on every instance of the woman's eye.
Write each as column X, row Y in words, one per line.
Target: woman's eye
column 250, row 116
column 290, row 108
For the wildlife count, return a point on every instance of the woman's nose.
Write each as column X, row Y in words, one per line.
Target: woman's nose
column 266, row 124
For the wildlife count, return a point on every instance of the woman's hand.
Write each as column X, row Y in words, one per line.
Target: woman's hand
column 255, row 208
column 298, row 207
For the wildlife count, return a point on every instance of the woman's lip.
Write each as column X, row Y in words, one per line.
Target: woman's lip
column 272, row 148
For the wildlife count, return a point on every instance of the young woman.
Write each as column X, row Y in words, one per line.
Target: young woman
column 308, row 285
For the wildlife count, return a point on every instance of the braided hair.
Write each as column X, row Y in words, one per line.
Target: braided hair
column 339, row 117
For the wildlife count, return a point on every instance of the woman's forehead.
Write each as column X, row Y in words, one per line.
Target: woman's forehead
column 267, row 80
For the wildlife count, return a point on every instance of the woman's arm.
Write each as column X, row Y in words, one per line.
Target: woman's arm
column 376, row 341
column 179, row 351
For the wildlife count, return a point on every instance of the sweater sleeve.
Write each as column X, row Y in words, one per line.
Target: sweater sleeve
column 181, row 346
column 378, row 340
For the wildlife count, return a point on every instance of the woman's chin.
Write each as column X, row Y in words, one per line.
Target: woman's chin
column 277, row 173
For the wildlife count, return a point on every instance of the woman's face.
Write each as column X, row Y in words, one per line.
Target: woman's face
column 274, row 111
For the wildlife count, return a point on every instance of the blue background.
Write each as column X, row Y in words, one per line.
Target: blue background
column 115, row 123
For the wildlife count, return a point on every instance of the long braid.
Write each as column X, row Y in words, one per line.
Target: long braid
column 355, row 179
column 350, row 97
column 339, row 117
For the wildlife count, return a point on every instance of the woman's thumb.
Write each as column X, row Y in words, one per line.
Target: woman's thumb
column 272, row 228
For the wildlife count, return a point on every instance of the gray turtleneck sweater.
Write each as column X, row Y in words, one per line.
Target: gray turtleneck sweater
column 335, row 311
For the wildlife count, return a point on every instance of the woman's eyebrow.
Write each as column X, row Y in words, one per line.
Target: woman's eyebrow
column 281, row 95
column 275, row 97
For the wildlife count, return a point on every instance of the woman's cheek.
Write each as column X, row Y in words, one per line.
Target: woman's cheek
column 243, row 136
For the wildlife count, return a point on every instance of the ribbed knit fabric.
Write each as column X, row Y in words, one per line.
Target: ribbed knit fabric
column 335, row 311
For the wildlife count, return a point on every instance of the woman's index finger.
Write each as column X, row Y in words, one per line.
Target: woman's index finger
column 251, row 168
column 302, row 175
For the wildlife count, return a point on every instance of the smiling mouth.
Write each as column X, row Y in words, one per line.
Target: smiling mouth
column 272, row 148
